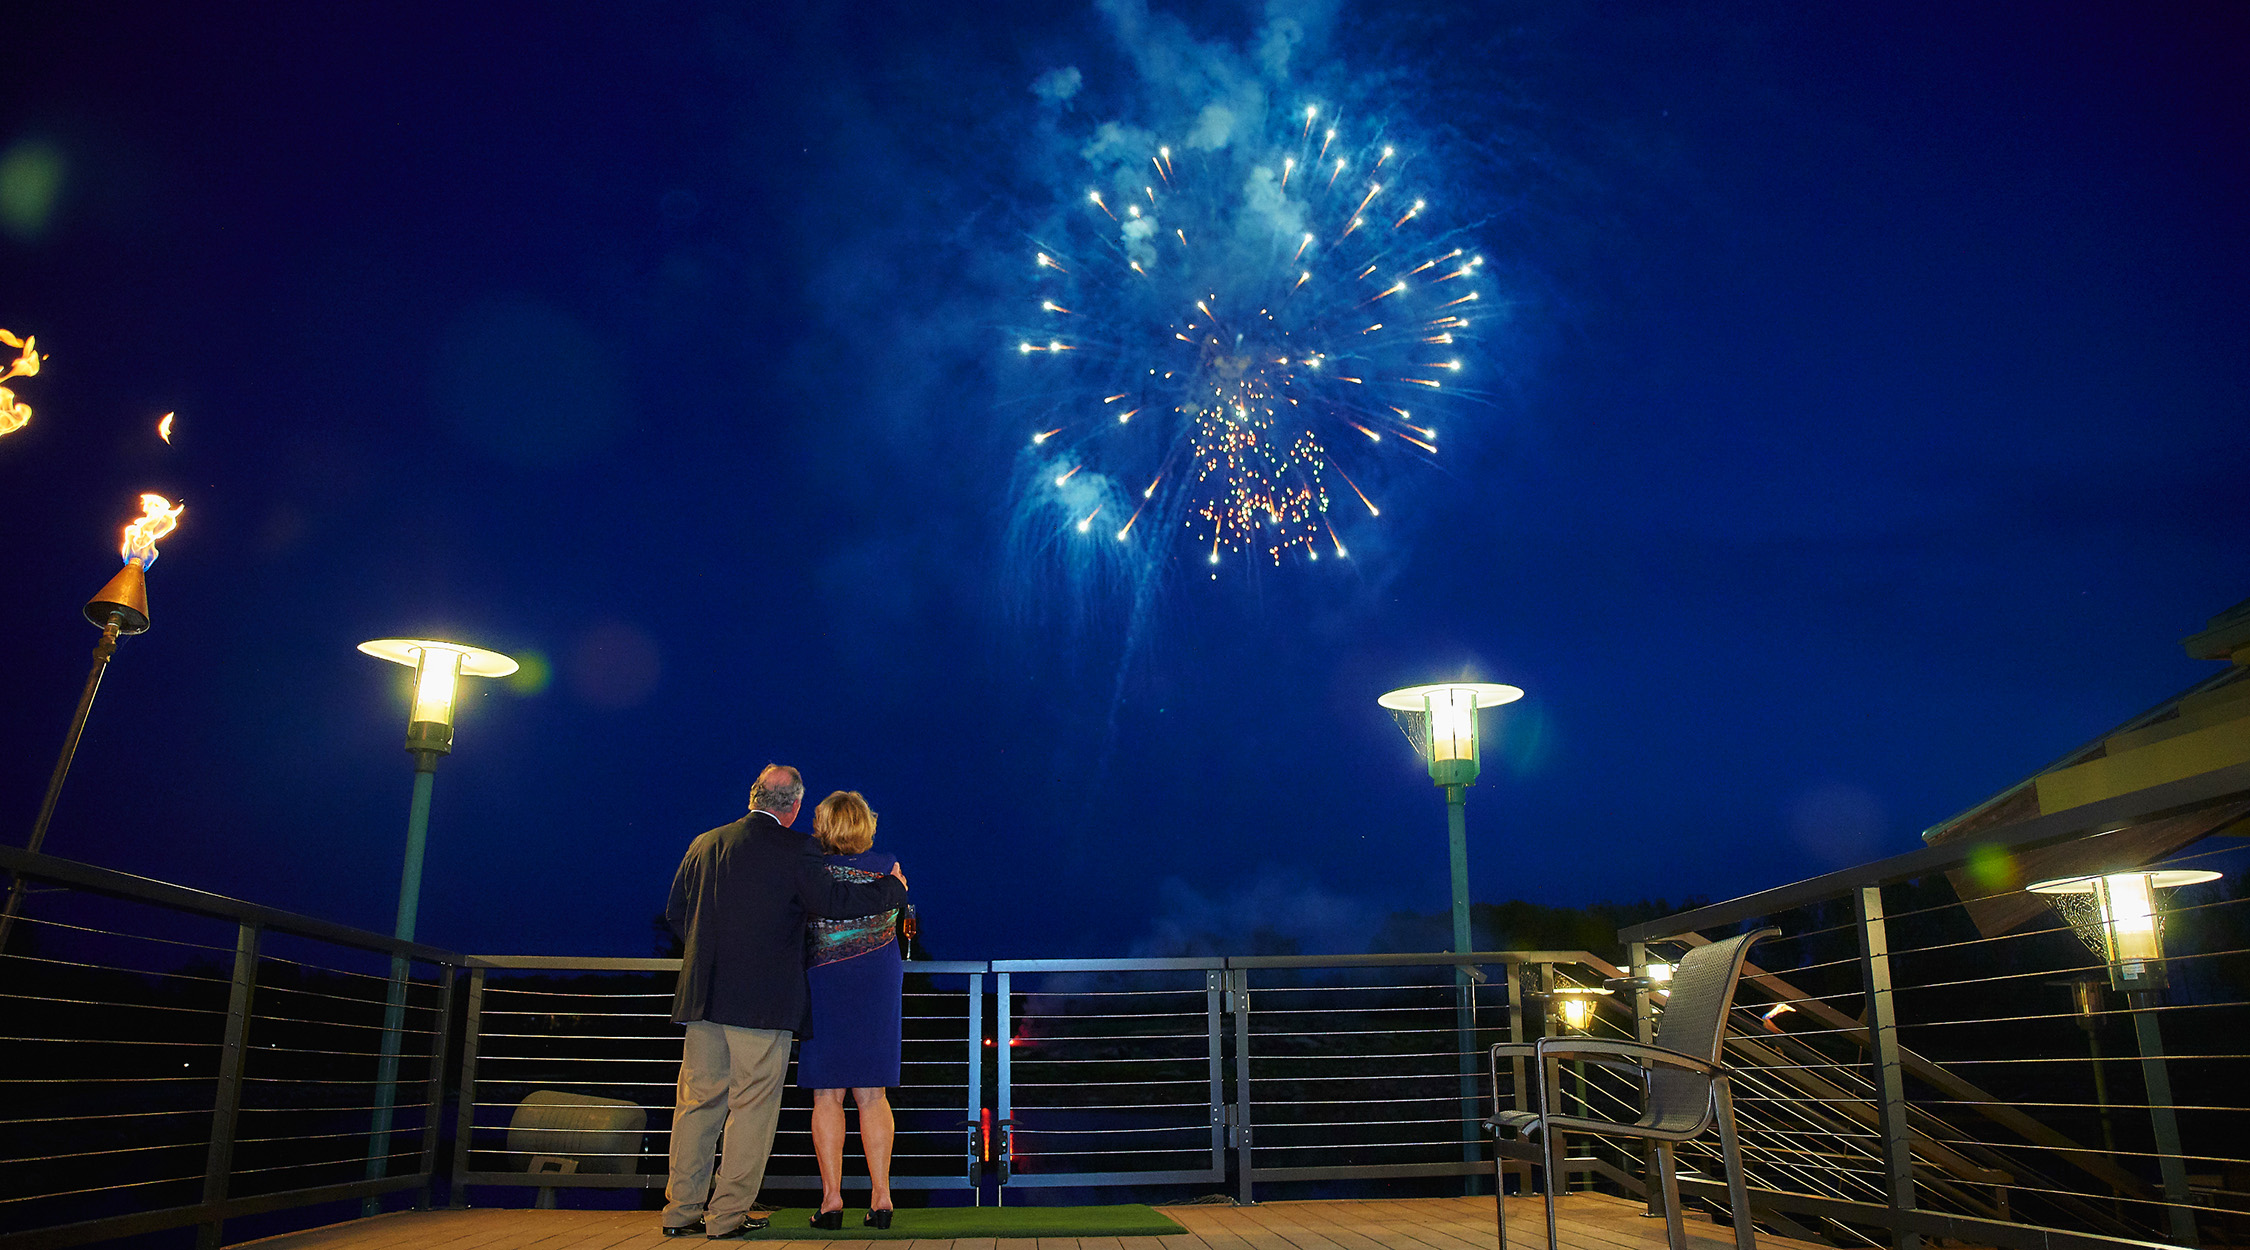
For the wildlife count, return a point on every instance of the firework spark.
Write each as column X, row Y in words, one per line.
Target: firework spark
column 1228, row 308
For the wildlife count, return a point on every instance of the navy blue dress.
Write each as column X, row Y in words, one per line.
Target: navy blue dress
column 857, row 978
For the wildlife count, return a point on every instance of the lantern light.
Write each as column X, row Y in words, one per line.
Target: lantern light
column 438, row 668
column 1441, row 721
column 2117, row 915
column 1576, row 1004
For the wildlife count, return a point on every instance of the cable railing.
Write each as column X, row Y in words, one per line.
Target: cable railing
column 1365, row 1067
column 179, row 1061
column 1909, row 1065
column 570, row 1065
column 171, row 1059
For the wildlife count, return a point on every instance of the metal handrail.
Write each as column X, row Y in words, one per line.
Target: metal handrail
column 125, row 885
column 2204, row 790
column 219, row 1174
column 1838, row 1134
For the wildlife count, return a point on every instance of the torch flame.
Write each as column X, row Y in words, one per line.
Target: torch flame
column 159, row 516
column 14, row 413
column 164, row 427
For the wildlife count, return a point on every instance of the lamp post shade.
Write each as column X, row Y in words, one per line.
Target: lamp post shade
column 2117, row 915
column 1441, row 721
column 438, row 667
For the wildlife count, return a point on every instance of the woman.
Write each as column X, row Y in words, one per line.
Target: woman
column 856, row 979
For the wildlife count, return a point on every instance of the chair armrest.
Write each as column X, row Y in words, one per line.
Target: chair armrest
column 1639, row 1053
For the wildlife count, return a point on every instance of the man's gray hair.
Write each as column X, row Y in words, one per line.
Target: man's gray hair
column 777, row 789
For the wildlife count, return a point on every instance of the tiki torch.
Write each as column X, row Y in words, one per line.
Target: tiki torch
column 120, row 608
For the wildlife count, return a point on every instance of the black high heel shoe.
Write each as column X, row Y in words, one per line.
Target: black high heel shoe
column 829, row 1220
column 878, row 1219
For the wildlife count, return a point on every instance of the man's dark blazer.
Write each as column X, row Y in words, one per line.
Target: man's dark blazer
column 739, row 901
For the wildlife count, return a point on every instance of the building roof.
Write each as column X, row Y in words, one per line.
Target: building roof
column 2201, row 729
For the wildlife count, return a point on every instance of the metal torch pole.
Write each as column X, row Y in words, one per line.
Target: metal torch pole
column 1464, row 989
column 394, row 1008
column 103, row 650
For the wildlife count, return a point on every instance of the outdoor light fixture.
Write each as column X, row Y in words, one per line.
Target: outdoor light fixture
column 438, row 669
column 1652, row 978
column 118, row 609
column 2117, row 916
column 1440, row 720
column 1575, row 1005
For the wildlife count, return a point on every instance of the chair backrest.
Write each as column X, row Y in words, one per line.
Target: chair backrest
column 1695, row 1023
column 1695, row 1013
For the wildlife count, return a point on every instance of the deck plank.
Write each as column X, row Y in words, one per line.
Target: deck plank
column 1588, row 1222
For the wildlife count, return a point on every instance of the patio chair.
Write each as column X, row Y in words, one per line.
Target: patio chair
column 1683, row 1078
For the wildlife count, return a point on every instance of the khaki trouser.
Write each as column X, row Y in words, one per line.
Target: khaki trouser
column 729, row 1077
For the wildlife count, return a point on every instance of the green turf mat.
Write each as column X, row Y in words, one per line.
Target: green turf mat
column 936, row 1223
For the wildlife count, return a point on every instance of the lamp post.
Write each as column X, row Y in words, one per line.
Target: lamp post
column 438, row 667
column 1575, row 1009
column 2120, row 918
column 119, row 609
column 2086, row 1009
column 1441, row 721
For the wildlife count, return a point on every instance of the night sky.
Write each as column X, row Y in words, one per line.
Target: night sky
column 1864, row 427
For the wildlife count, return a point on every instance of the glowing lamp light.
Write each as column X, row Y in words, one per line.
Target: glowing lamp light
column 2118, row 917
column 1448, row 713
column 438, row 668
column 1575, row 1005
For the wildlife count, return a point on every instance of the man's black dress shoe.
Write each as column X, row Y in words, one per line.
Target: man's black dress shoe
column 755, row 1224
column 685, row 1230
column 878, row 1219
column 830, row 1220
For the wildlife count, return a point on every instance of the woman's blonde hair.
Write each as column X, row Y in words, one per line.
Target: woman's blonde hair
column 844, row 823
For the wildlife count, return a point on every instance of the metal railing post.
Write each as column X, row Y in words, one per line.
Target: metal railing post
column 1465, row 1041
column 1214, row 1003
column 465, row 1117
column 434, row 1115
column 1644, row 1030
column 1515, row 1034
column 975, row 1111
column 1514, row 985
column 226, row 1105
column 2178, row 1205
column 1244, row 1125
column 1555, row 1180
column 1003, row 1021
column 1883, row 1052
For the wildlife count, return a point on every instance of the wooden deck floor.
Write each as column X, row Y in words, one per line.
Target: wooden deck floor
column 1589, row 1222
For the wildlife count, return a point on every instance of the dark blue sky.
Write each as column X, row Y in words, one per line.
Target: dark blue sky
column 1868, row 428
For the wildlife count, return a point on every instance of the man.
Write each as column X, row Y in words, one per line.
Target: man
column 739, row 901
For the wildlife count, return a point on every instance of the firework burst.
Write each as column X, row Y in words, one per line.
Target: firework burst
column 1235, row 339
